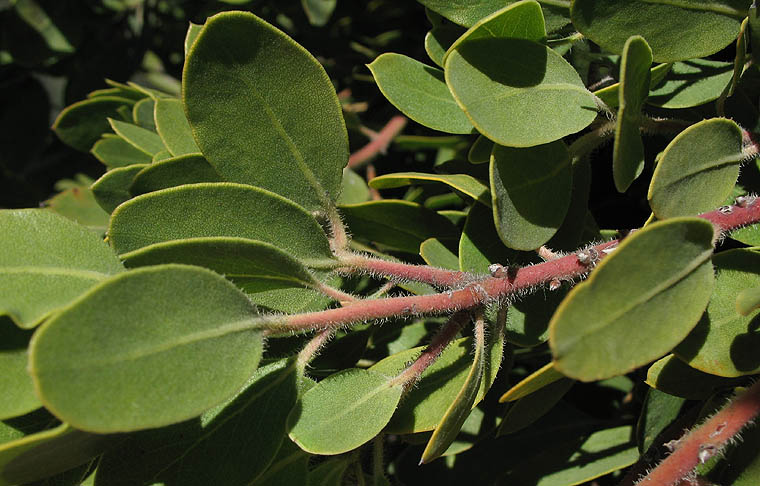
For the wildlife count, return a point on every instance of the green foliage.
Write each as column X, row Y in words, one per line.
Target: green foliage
column 207, row 310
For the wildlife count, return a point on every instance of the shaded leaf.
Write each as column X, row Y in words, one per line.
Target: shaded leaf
column 318, row 11
column 509, row 87
column 143, row 114
column 674, row 377
column 47, row 261
column 436, row 254
column 610, row 94
column 452, row 420
column 696, row 29
column 540, row 378
column 78, row 204
column 180, row 340
column 420, row 92
column 480, row 151
column 697, row 170
column 532, row 407
column 461, row 182
column 221, row 209
column 638, row 303
column 242, row 72
column 80, row 125
column 289, row 468
column 439, row 39
column 396, row 224
column 172, row 172
column 530, row 189
column 691, row 83
column 330, row 472
column 480, row 245
column 112, row 188
column 628, row 151
column 343, row 411
column 113, row 151
column 748, row 301
column 724, row 342
column 658, row 412
column 18, row 395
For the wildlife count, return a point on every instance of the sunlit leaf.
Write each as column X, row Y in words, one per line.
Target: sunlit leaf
column 173, row 128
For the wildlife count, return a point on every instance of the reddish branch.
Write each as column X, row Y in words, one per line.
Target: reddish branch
column 379, row 143
column 704, row 442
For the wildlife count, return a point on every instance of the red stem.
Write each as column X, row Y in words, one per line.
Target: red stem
column 707, row 440
column 379, row 144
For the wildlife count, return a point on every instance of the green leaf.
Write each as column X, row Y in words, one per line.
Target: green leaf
column 396, row 224
column 571, row 232
column 112, row 188
column 691, row 83
column 461, row 182
column 695, row 29
column 173, row 128
column 748, row 301
column 528, row 319
column 248, row 263
column 47, row 261
column 330, row 472
column 172, row 172
column 724, row 342
column 674, row 377
column 657, row 413
column 18, row 395
column 218, row 209
column 540, row 378
column 437, row 254
column 532, row 407
column 318, row 11
column 192, row 34
column 80, row 125
column 531, row 189
column 78, row 204
column 480, row 245
column 628, row 152
column 698, row 169
column 420, row 92
column 610, row 94
column 143, row 114
column 168, row 326
column 260, row 106
column 638, row 303
column 459, row 409
column 343, row 411
column 480, row 151
column 439, row 39
column 468, row 12
column 509, row 88
column 230, row 444
column 113, row 151
column 38, row 456
column 425, row 404
column 353, row 188
column 520, row 20
column 42, row 19
column 577, row 459
column 139, row 137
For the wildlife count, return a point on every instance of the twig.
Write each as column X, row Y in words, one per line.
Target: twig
column 380, row 142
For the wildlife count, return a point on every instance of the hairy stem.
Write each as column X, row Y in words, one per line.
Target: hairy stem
column 379, row 143
column 707, row 440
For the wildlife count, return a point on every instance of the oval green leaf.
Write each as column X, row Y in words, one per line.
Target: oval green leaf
column 173, row 128
column 217, row 209
column 540, row 378
column 531, row 189
column 420, row 92
column 343, row 411
column 172, row 172
column 748, row 301
column 461, row 182
column 18, row 395
column 177, row 341
column 437, row 254
column 80, row 125
column 691, row 83
column 695, row 28
column 509, row 88
column 724, row 342
column 628, row 151
column 113, row 151
column 112, row 188
column 439, row 39
column 698, row 169
column 674, row 377
column 639, row 302
column 47, row 261
column 139, row 137
column 261, row 106
column 143, row 113
column 480, row 151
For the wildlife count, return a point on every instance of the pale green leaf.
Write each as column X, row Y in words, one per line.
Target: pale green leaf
column 47, row 261
column 698, row 169
column 420, row 92
column 748, row 301
column 638, row 303
column 112, row 188
column 694, row 28
column 173, row 128
column 343, row 411
column 318, row 11
column 461, row 182
column 439, row 39
column 260, row 106
column 192, row 33
column 674, row 377
column 115, row 152
column 509, row 88
column 725, row 342
column 168, row 327
column 628, row 151
column 535, row 381
column 436, row 254
column 217, row 209
column 143, row 114
column 139, row 137
column 531, row 189
column 691, row 83
column 610, row 94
